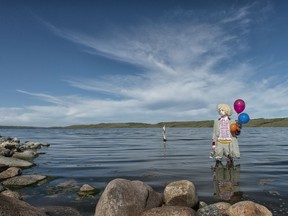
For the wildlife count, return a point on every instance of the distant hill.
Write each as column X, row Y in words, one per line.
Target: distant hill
column 261, row 122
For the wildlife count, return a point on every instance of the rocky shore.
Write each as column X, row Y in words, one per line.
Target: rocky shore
column 121, row 197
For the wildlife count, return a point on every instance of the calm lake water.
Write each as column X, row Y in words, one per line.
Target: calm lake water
column 96, row 156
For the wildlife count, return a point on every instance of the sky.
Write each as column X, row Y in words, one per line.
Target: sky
column 105, row 61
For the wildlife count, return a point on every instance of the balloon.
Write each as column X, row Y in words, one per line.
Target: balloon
column 243, row 118
column 239, row 106
column 233, row 127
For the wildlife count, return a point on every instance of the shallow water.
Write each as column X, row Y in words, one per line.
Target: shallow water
column 96, row 156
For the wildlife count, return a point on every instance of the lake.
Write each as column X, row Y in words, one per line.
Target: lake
column 96, row 156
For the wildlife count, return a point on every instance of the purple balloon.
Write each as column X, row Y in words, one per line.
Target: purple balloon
column 239, row 106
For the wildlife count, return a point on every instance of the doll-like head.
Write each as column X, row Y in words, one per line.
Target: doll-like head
column 224, row 110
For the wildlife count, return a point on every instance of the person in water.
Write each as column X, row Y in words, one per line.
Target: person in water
column 224, row 141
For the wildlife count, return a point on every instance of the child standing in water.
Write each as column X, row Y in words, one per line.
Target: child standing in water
column 224, row 140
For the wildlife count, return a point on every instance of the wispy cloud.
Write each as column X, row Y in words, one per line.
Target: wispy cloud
column 185, row 69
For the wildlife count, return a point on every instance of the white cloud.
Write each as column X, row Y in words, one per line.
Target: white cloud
column 188, row 67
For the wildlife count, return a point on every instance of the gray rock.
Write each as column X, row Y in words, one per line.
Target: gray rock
column 3, row 167
column 87, row 190
column 12, row 207
column 12, row 194
column 60, row 211
column 1, row 188
column 15, row 162
column 216, row 209
column 33, row 145
column 10, row 172
column 169, row 210
column 6, row 152
column 123, row 197
column 181, row 193
column 25, row 155
column 24, row 180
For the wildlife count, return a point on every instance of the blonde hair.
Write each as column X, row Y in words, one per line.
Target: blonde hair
column 226, row 108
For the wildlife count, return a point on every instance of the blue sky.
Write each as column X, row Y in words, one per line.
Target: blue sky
column 87, row 62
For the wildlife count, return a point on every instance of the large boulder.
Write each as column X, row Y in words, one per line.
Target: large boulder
column 181, row 193
column 169, row 210
column 248, row 208
column 123, row 197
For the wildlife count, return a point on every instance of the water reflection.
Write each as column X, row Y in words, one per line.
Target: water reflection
column 226, row 182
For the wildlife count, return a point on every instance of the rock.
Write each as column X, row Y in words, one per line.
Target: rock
column 87, row 190
column 216, row 209
column 15, row 162
column 3, row 167
column 1, row 188
column 6, row 152
column 222, row 206
column 12, row 207
column 10, row 172
column 24, row 180
column 248, row 208
column 123, row 197
column 33, row 145
column 169, row 210
column 25, row 155
column 12, row 194
column 60, row 211
column 210, row 210
column 181, row 193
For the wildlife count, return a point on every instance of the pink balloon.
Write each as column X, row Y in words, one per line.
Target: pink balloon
column 239, row 106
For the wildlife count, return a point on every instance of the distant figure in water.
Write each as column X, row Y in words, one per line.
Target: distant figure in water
column 164, row 133
column 224, row 141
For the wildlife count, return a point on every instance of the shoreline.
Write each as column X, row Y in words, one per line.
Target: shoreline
column 260, row 122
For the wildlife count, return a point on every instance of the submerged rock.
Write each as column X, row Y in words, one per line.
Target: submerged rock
column 87, row 190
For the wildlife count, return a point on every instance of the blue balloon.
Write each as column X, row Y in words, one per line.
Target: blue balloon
column 243, row 118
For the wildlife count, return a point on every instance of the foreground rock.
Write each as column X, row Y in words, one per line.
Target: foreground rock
column 248, row 208
column 123, row 197
column 181, row 193
column 60, row 211
column 15, row 162
column 132, row 198
column 10, row 172
column 216, row 209
column 170, row 210
column 13, row 207
column 24, row 180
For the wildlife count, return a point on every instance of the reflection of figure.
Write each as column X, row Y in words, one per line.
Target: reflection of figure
column 224, row 141
column 164, row 133
column 226, row 182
